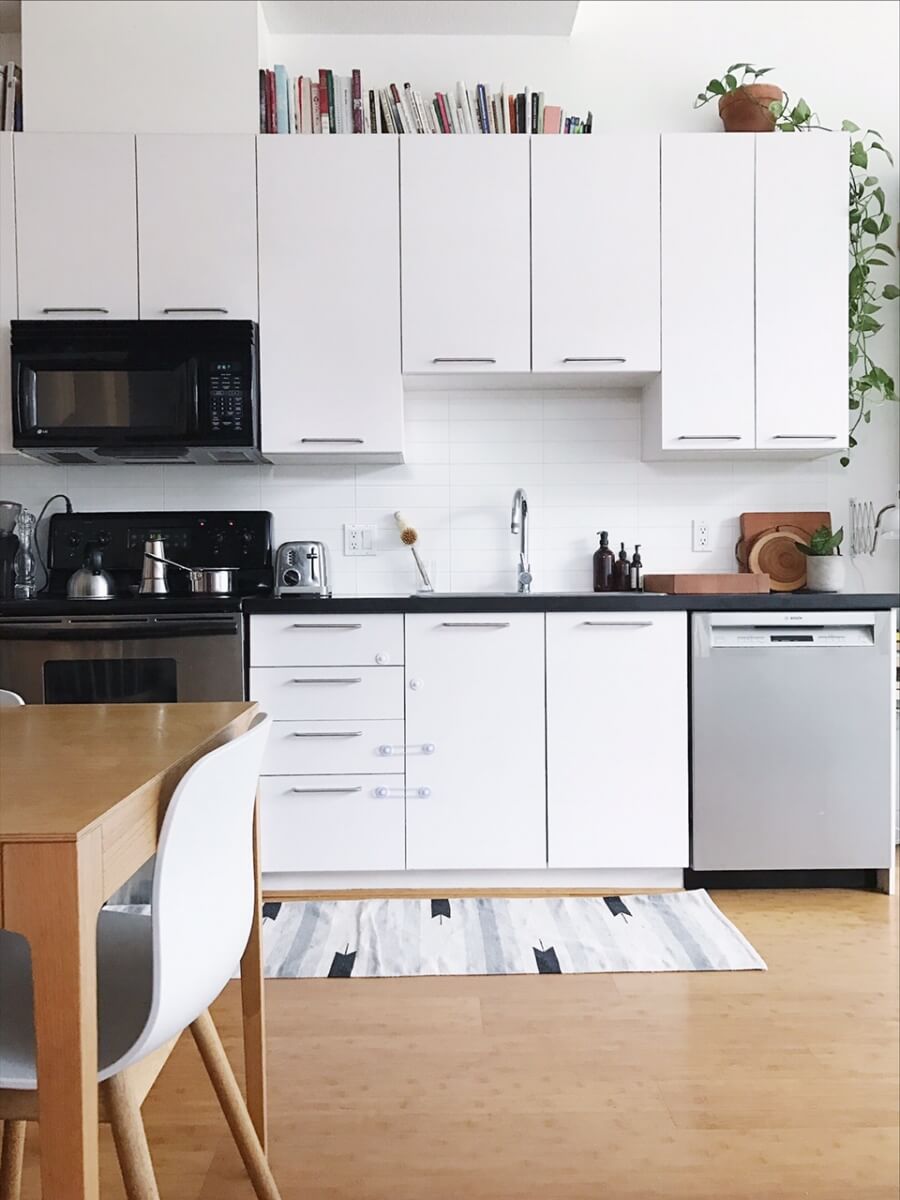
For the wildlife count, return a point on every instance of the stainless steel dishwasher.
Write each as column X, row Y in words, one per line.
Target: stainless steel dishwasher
column 792, row 740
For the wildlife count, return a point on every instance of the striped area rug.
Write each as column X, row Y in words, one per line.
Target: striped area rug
column 677, row 931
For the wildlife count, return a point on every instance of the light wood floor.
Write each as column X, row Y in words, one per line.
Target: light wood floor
column 742, row 1086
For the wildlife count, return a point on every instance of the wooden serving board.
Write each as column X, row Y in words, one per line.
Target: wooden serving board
column 754, row 524
column 706, row 585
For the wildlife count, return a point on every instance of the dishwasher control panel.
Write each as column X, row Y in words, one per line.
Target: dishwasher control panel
column 751, row 636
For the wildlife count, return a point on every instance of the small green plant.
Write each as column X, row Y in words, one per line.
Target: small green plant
column 868, row 383
column 822, row 544
column 730, row 82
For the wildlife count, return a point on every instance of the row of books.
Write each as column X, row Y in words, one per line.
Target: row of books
column 330, row 103
column 11, row 98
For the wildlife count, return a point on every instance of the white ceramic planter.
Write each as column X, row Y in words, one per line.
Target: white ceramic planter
column 825, row 573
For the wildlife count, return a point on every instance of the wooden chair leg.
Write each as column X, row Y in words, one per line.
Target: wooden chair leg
column 11, row 1154
column 226, row 1088
column 130, row 1138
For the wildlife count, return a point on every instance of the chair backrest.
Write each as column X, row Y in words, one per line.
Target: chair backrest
column 10, row 699
column 203, row 885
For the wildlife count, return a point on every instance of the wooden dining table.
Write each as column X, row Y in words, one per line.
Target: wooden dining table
column 83, row 790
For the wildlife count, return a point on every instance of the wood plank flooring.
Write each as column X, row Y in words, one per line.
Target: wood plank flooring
column 745, row 1086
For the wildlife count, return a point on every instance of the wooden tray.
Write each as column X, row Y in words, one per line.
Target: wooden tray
column 706, row 585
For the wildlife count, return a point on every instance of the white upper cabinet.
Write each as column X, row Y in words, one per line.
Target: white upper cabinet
column 801, row 292
column 466, row 260
column 7, row 294
column 617, row 739
column 475, row 741
column 76, row 225
column 595, row 253
column 329, row 298
column 704, row 399
column 196, row 203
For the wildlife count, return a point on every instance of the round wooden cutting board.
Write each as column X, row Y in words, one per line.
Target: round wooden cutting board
column 775, row 554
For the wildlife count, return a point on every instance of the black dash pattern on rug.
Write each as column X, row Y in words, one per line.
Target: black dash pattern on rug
column 342, row 964
column 617, row 907
column 440, row 908
column 547, row 962
column 271, row 909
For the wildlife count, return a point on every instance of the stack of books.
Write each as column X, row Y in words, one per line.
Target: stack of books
column 329, row 103
column 11, row 98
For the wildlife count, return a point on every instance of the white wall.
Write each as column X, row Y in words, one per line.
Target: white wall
column 165, row 66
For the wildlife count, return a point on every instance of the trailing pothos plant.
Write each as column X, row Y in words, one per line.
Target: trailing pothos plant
column 869, row 221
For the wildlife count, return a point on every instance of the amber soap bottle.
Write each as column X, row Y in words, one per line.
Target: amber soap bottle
column 604, row 565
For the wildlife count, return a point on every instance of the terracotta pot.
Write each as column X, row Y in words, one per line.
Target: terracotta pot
column 746, row 109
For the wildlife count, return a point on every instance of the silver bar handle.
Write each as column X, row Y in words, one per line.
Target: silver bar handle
column 210, row 308
column 710, row 437
column 333, row 441
column 475, row 624
column 341, row 734
column 618, row 624
column 78, row 309
column 313, row 625
column 594, row 359
column 326, row 791
column 464, row 360
column 804, row 437
column 329, row 679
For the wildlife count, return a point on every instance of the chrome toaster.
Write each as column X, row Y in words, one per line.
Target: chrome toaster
column 301, row 569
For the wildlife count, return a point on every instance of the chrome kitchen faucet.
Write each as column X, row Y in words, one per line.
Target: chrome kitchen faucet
column 519, row 524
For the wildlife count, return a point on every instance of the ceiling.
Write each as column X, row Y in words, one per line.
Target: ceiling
column 466, row 17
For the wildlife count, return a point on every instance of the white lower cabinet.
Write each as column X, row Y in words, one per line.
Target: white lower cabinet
column 332, row 822
column 617, row 740
column 475, row 741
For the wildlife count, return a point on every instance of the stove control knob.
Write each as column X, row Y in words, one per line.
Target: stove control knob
column 103, row 538
column 246, row 535
column 73, row 539
column 290, row 578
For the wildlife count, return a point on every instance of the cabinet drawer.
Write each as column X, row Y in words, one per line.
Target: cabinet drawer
column 324, row 640
column 329, row 693
column 334, row 747
column 333, row 823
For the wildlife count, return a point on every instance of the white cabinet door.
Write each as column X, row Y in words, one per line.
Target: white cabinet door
column 8, row 297
column 475, row 741
column 329, row 298
column 801, row 292
column 76, row 225
column 197, row 226
column 617, row 739
column 465, row 238
column 706, row 391
column 595, row 253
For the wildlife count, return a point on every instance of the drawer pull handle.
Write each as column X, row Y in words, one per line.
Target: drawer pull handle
column 578, row 360
column 342, row 734
column 464, row 360
column 618, row 624
column 223, row 311
column 326, row 791
column 709, row 437
column 329, row 679
column 804, row 437
column 313, row 625
column 76, row 309
column 475, row 624
column 332, row 441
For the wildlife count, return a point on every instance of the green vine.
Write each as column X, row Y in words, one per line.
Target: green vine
column 869, row 384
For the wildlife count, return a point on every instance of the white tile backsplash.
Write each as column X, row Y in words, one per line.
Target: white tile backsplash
column 577, row 454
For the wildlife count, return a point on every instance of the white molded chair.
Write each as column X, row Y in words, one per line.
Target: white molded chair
column 157, row 974
column 10, row 699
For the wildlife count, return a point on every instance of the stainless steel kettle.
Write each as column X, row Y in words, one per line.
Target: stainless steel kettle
column 90, row 581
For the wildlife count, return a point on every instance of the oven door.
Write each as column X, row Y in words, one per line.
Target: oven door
column 123, row 660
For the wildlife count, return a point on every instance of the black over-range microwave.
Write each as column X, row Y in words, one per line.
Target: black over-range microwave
column 136, row 391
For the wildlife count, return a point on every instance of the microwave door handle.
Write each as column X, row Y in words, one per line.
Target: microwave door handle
column 194, row 386
column 26, row 398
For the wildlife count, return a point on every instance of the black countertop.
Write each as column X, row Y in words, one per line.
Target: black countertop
column 459, row 603
column 577, row 602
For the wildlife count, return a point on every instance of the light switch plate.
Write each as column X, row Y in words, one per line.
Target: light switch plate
column 359, row 540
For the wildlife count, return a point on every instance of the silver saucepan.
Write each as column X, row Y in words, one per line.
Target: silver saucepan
column 205, row 581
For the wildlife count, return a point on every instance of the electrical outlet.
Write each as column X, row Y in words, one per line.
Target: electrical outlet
column 700, row 539
column 359, row 540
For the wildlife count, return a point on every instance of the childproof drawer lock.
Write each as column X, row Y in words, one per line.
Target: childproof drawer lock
column 426, row 748
column 383, row 793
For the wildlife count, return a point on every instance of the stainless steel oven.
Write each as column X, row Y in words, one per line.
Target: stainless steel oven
column 123, row 659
